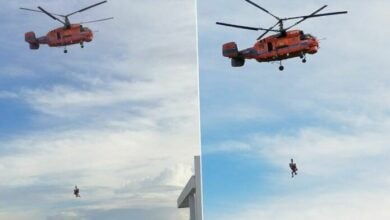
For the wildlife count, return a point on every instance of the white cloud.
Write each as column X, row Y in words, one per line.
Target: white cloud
column 66, row 216
column 7, row 95
column 14, row 71
column 103, row 161
column 357, row 205
column 316, row 149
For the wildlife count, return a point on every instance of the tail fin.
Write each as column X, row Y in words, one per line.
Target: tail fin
column 30, row 38
column 230, row 50
column 238, row 62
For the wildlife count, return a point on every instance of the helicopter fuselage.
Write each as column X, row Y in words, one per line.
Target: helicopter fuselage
column 276, row 47
column 60, row 37
column 75, row 34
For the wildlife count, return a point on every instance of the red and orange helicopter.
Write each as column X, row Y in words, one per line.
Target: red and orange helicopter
column 285, row 44
column 63, row 36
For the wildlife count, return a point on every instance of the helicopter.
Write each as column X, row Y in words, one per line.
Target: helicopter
column 68, row 34
column 285, row 44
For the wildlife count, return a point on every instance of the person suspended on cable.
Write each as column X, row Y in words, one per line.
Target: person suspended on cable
column 293, row 168
column 76, row 192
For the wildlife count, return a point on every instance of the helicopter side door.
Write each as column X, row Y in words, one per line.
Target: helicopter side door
column 58, row 35
column 270, row 46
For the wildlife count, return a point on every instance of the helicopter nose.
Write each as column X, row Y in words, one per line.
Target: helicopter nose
column 313, row 45
column 314, row 42
column 89, row 36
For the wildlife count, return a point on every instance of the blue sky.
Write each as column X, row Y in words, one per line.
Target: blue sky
column 118, row 118
column 330, row 114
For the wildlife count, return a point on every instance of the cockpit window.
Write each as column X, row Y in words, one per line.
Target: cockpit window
column 82, row 29
column 306, row 36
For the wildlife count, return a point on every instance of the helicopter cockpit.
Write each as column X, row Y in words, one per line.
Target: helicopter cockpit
column 84, row 29
column 304, row 36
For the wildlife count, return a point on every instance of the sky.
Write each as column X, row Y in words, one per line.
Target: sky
column 118, row 118
column 331, row 114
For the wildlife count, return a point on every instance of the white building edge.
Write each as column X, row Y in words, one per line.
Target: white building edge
column 191, row 196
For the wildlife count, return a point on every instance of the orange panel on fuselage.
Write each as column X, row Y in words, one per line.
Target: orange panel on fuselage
column 279, row 47
column 66, row 36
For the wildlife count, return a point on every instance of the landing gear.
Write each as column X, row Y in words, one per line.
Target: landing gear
column 81, row 44
column 65, row 50
column 303, row 57
column 281, row 67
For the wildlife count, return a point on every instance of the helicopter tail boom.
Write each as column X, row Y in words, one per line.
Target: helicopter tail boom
column 30, row 38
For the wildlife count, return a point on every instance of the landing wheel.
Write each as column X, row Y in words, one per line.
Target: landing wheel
column 303, row 57
column 281, row 67
column 65, row 51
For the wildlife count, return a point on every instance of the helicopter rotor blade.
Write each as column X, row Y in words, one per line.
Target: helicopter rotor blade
column 271, row 28
column 86, row 8
column 50, row 15
column 305, row 16
column 244, row 27
column 317, row 15
column 263, row 9
column 329, row 13
column 99, row 20
column 315, row 12
column 34, row 10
